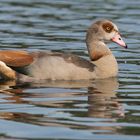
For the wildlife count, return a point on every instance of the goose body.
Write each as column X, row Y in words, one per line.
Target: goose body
column 65, row 66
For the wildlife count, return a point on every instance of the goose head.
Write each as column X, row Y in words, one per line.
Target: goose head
column 99, row 34
column 105, row 30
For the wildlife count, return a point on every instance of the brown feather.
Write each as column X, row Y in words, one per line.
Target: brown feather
column 97, row 55
column 15, row 58
column 108, row 27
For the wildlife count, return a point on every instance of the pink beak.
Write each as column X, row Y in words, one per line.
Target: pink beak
column 117, row 39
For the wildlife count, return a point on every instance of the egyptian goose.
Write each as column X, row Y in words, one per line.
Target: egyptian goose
column 64, row 66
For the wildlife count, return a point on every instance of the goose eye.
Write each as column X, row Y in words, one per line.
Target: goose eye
column 107, row 27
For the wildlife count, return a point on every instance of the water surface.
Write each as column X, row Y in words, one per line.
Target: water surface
column 102, row 109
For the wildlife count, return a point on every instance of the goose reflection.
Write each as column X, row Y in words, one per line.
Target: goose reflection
column 63, row 103
column 102, row 99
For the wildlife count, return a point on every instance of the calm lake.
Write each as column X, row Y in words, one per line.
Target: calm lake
column 106, row 109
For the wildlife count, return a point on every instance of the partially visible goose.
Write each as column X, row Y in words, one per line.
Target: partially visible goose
column 64, row 66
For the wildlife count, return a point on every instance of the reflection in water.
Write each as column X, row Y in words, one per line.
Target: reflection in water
column 103, row 101
column 81, row 104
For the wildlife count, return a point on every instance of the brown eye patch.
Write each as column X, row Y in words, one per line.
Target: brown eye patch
column 108, row 27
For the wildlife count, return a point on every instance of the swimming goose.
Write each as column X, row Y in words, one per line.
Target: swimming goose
column 65, row 66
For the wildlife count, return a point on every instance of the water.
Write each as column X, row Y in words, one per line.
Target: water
column 101, row 109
